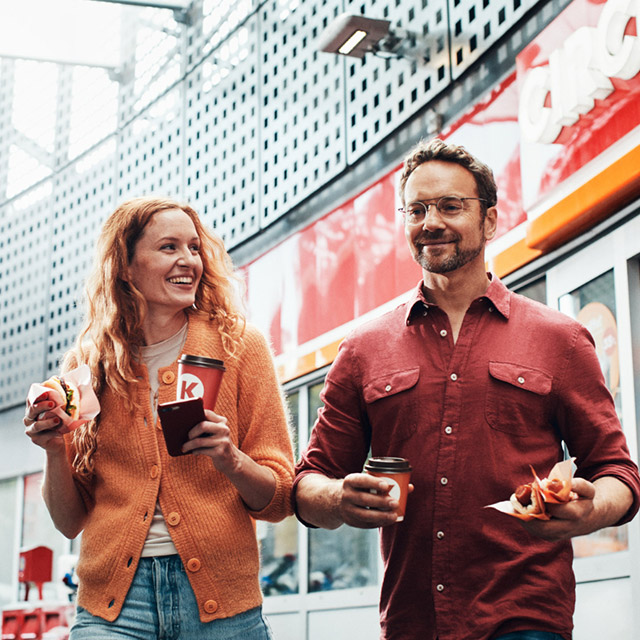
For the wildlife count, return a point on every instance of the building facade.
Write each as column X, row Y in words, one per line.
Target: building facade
column 292, row 156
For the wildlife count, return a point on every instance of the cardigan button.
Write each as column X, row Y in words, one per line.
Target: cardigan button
column 210, row 606
column 155, row 470
column 173, row 518
column 193, row 565
column 168, row 377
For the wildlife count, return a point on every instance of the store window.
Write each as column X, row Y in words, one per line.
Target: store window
column 279, row 566
column 38, row 530
column 8, row 519
column 536, row 290
column 593, row 304
column 344, row 558
column 339, row 559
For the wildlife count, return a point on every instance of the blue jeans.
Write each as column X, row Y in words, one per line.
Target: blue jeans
column 529, row 635
column 161, row 605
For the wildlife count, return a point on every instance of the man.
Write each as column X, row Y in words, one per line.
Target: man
column 472, row 384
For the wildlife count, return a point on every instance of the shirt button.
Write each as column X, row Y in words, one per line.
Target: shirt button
column 520, row 379
column 424, row 312
column 448, row 430
column 155, row 470
column 454, row 376
column 210, row 606
column 443, row 481
column 490, row 309
column 168, row 377
column 440, row 535
column 440, row 587
column 193, row 565
column 387, row 388
column 173, row 518
column 443, row 333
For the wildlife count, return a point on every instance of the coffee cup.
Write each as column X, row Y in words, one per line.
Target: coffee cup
column 199, row 377
column 397, row 471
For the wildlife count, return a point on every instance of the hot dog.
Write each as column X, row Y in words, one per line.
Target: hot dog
column 526, row 500
column 69, row 395
column 529, row 501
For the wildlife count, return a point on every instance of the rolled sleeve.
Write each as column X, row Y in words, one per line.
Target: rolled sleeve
column 588, row 421
column 264, row 433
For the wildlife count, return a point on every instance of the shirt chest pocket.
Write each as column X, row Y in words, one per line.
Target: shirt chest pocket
column 393, row 405
column 517, row 397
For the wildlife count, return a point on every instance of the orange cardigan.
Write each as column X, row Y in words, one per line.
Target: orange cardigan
column 210, row 525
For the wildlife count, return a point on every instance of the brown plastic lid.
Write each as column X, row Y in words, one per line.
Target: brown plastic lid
column 388, row 465
column 201, row 361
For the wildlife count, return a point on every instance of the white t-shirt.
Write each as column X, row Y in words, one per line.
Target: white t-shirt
column 154, row 356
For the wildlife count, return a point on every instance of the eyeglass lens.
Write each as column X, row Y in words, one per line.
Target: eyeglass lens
column 447, row 206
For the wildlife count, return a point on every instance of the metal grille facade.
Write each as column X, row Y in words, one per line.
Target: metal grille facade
column 234, row 111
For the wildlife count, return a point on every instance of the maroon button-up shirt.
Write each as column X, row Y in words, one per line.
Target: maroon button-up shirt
column 470, row 417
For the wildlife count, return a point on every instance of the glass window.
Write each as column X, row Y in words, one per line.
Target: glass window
column 293, row 404
column 536, row 290
column 279, row 565
column 341, row 559
column 38, row 530
column 8, row 517
column 314, row 402
column 278, row 556
column 344, row 558
column 593, row 304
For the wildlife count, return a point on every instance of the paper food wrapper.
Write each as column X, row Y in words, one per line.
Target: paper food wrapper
column 562, row 471
column 88, row 404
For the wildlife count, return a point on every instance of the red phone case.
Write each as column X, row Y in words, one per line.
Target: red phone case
column 177, row 419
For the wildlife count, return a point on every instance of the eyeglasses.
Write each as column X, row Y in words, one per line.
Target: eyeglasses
column 448, row 206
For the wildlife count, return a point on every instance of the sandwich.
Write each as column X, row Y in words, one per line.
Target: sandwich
column 69, row 395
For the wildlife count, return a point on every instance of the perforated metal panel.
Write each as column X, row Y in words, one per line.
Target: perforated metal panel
column 82, row 198
column 150, row 151
column 382, row 92
column 222, row 143
column 476, row 25
column 236, row 112
column 24, row 272
column 302, row 107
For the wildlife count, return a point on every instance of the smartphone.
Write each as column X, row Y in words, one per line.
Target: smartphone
column 177, row 419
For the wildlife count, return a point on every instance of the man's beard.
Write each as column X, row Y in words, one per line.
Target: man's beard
column 460, row 257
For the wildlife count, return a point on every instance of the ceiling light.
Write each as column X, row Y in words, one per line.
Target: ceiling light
column 352, row 35
column 357, row 35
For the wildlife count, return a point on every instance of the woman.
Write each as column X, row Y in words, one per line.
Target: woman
column 168, row 547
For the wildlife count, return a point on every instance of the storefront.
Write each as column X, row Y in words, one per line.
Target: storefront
column 562, row 135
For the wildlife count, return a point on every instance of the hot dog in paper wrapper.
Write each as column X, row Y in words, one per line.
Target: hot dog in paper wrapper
column 73, row 395
column 528, row 501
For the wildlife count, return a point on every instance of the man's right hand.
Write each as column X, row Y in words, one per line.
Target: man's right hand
column 359, row 500
column 365, row 502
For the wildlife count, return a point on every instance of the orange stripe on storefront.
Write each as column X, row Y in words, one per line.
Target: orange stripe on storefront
column 515, row 256
column 589, row 203
column 593, row 201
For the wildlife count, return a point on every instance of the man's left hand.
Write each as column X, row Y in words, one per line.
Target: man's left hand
column 599, row 504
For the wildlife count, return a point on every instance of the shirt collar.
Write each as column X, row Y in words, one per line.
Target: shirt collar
column 499, row 295
column 496, row 293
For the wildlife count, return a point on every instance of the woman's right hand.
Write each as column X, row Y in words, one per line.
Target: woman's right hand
column 43, row 426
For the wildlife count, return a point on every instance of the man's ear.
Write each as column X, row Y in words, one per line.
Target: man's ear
column 490, row 223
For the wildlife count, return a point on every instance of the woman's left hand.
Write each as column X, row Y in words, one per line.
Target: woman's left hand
column 212, row 438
